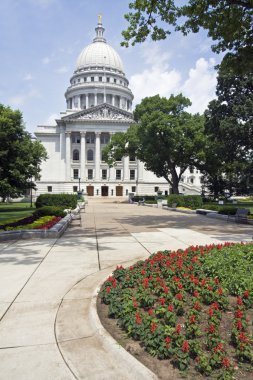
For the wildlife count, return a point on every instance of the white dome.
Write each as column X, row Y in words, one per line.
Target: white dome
column 99, row 54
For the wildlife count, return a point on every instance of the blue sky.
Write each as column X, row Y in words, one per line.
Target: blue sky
column 41, row 40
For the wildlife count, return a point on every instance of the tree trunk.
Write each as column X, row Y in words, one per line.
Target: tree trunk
column 175, row 181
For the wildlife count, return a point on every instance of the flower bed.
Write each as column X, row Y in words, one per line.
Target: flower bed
column 31, row 222
column 193, row 307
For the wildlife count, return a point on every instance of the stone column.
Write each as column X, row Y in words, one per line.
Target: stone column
column 126, row 168
column 113, row 100
column 95, row 99
column 140, row 170
column 87, row 101
column 83, row 157
column 62, row 142
column 79, row 102
column 97, row 157
column 68, row 155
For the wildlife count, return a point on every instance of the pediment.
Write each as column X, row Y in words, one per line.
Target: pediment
column 102, row 112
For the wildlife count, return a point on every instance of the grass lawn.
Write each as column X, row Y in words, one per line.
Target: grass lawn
column 13, row 211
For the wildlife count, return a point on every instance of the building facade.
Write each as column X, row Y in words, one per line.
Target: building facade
column 99, row 104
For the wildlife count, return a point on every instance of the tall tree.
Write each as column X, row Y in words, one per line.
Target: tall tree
column 166, row 138
column 20, row 155
column 228, row 22
column 229, row 131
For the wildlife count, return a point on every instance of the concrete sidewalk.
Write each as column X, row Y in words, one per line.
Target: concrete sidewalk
column 48, row 323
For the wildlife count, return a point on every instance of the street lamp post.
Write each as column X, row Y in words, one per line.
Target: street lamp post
column 31, row 193
column 79, row 186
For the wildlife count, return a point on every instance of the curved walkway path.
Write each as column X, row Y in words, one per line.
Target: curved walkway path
column 48, row 323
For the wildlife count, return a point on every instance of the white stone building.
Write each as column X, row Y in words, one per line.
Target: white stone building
column 99, row 103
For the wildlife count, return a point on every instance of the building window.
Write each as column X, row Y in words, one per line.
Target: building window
column 75, row 173
column 132, row 157
column 133, row 189
column 192, row 180
column 100, row 79
column 75, row 189
column 85, row 79
column 166, row 192
column 104, row 173
column 132, row 174
column 75, row 155
column 49, row 189
column 126, row 191
column 118, row 174
column 156, row 189
column 90, row 174
column 76, row 139
column 107, row 79
column 90, row 138
column 92, row 79
column 90, row 155
column 115, row 80
column 191, row 169
column 78, row 80
column 104, row 138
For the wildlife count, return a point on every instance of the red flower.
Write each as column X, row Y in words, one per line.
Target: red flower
column 196, row 294
column 178, row 328
column 210, row 288
column 135, row 304
column 243, row 338
column 197, row 306
column 226, row 363
column 246, row 293
column 218, row 348
column 211, row 328
column 138, row 319
column 162, row 301
column 239, row 325
column 166, row 289
column 167, row 341
column 216, row 280
column 238, row 313
column 150, row 312
column 239, row 301
column 220, row 292
column 192, row 319
column 215, row 306
column 180, row 286
column 170, row 308
column 153, row 327
column 185, row 346
column 210, row 312
column 145, row 282
column 179, row 296
column 108, row 289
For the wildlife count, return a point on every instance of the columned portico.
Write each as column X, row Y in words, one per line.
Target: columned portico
column 68, row 155
column 97, row 157
column 83, row 156
column 126, row 168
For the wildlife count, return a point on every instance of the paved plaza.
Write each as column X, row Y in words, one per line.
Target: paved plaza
column 49, row 329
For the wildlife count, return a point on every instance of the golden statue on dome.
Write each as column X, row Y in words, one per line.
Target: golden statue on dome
column 100, row 19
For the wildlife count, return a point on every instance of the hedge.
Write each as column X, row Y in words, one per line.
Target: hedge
column 60, row 200
column 50, row 210
column 190, row 201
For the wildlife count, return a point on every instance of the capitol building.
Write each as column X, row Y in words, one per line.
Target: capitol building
column 98, row 104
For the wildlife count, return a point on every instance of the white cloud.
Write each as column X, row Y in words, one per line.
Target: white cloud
column 159, row 78
column 61, row 70
column 51, row 119
column 46, row 60
column 154, row 81
column 28, row 77
column 21, row 99
column 200, row 85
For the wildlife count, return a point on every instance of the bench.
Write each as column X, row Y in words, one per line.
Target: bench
column 241, row 216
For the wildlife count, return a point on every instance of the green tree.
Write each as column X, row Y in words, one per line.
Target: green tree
column 166, row 138
column 20, row 155
column 229, row 24
column 229, row 133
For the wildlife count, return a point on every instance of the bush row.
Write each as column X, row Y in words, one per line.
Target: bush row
column 60, row 200
column 190, row 201
column 50, row 210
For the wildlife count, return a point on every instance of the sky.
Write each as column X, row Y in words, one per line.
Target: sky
column 41, row 40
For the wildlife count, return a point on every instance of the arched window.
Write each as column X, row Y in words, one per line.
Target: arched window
column 75, row 155
column 90, row 155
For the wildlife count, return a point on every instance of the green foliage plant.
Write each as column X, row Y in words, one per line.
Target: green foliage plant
column 50, row 210
column 60, row 200
column 175, row 304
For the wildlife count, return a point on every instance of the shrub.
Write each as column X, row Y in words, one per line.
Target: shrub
column 50, row 210
column 189, row 201
column 60, row 200
column 211, row 207
column 227, row 210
